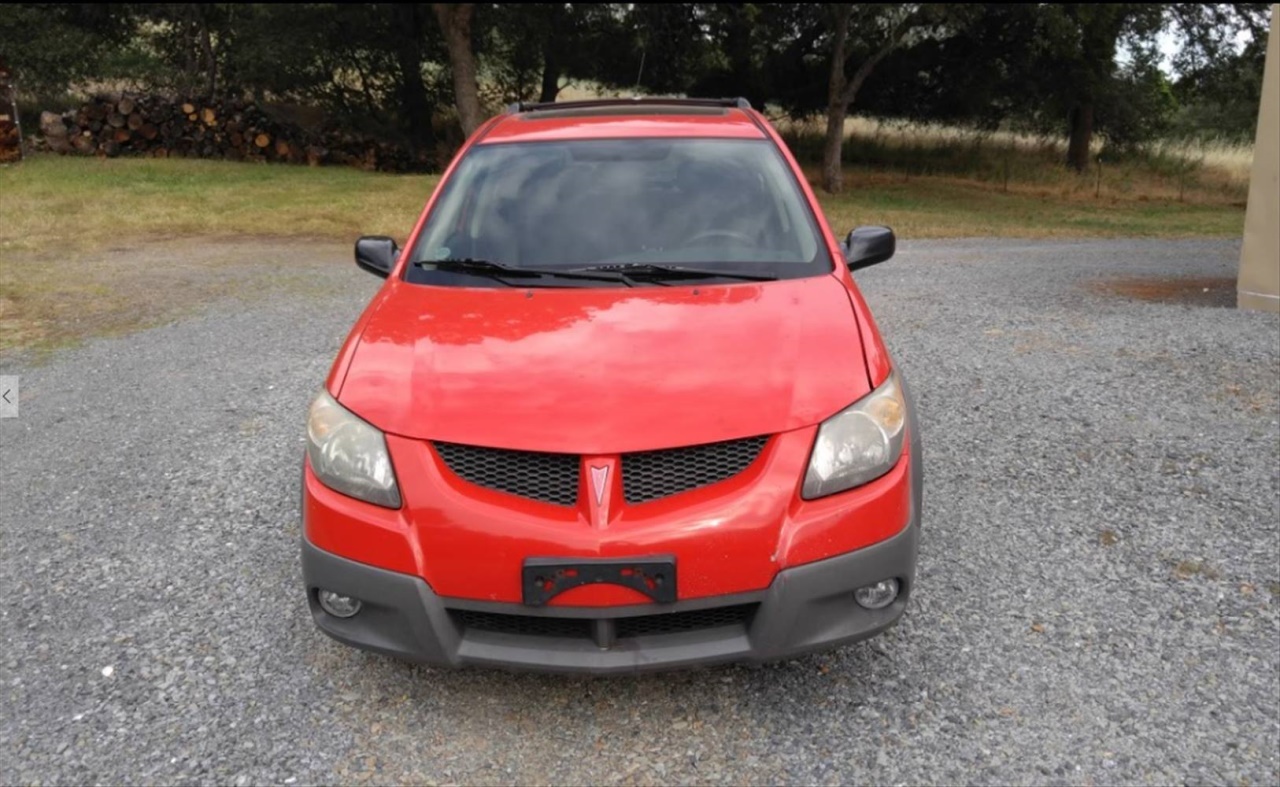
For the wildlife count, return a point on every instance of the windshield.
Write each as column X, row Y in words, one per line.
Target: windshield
column 713, row 204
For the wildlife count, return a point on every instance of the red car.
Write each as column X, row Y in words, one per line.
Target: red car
column 619, row 406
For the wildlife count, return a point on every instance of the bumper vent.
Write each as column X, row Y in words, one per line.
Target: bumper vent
column 676, row 622
column 650, row 475
column 580, row 628
column 551, row 478
column 523, row 625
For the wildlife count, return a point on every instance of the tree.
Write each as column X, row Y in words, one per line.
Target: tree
column 1218, row 88
column 1082, row 39
column 408, row 37
column 865, row 34
column 50, row 46
column 455, row 24
column 532, row 49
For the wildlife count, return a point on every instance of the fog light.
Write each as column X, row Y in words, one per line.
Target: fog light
column 338, row 605
column 877, row 596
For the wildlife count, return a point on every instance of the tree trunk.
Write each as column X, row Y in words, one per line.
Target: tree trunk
column 550, row 79
column 832, row 150
column 837, row 107
column 1081, row 135
column 413, row 94
column 455, row 23
column 551, row 43
column 742, row 73
column 210, row 60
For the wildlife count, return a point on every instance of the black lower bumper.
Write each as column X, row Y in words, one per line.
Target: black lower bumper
column 806, row 608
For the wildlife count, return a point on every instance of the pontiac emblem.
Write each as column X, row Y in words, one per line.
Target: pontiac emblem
column 599, row 477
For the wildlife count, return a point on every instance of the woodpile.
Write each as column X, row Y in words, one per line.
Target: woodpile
column 10, row 134
column 229, row 128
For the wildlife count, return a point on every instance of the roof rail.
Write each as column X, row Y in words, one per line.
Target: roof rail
column 642, row 101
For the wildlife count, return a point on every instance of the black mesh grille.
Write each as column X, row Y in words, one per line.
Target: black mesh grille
column 649, row 475
column 526, row 625
column 580, row 628
column 552, row 478
column 673, row 622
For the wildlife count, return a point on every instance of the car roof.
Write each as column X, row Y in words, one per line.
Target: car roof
column 626, row 118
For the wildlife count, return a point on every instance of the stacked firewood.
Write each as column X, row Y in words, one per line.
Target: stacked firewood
column 230, row 128
column 10, row 134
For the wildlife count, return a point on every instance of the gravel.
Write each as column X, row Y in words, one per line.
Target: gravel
column 1099, row 599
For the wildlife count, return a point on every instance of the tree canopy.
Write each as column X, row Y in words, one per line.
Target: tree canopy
column 426, row 74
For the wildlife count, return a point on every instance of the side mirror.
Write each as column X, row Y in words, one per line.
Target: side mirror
column 377, row 254
column 866, row 246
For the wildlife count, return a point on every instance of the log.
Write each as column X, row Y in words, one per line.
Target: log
column 55, row 132
column 218, row 128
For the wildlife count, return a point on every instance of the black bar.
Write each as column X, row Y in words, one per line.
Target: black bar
column 523, row 106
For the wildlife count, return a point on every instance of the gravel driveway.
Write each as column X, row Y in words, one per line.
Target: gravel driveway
column 1099, row 598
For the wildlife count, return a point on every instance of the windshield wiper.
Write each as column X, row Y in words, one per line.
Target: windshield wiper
column 497, row 270
column 646, row 271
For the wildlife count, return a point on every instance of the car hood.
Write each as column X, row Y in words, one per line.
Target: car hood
column 606, row 370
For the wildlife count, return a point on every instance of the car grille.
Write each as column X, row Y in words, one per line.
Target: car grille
column 526, row 625
column 650, row 475
column 627, row 628
column 695, row 620
column 552, row 478
column 646, row 475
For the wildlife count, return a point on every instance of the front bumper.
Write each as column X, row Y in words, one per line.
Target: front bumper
column 806, row 608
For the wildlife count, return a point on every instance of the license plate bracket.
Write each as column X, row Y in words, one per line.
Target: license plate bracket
column 544, row 578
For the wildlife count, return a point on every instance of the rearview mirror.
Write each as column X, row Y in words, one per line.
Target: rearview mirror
column 377, row 254
column 867, row 246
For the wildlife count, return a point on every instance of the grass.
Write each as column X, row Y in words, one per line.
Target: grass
column 66, row 203
column 63, row 203
column 52, row 207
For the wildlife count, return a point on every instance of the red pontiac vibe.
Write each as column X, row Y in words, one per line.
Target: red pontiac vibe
column 619, row 406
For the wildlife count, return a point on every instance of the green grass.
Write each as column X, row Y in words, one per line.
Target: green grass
column 77, row 203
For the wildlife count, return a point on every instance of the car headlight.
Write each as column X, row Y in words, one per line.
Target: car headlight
column 348, row 455
column 858, row 444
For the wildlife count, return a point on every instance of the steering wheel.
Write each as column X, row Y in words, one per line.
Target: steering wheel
column 707, row 235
